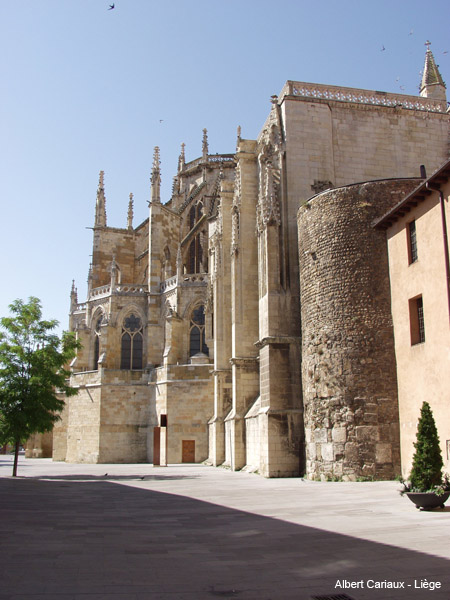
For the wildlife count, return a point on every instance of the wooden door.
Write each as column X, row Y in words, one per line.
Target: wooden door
column 156, row 446
column 188, row 451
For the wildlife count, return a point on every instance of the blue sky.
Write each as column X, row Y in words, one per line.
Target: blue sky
column 85, row 89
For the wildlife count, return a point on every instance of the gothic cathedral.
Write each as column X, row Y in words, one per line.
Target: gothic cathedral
column 247, row 321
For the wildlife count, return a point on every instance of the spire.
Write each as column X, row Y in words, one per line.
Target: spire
column 113, row 273
column 156, row 178
column 205, row 144
column 130, row 213
column 73, row 297
column 432, row 84
column 100, row 207
column 182, row 158
column 89, row 280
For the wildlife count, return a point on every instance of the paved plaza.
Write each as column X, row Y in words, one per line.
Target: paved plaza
column 188, row 532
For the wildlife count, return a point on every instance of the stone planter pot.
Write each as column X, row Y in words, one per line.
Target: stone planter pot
column 428, row 500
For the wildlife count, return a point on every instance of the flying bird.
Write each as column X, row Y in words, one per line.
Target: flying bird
column 382, row 49
column 411, row 32
column 111, row 6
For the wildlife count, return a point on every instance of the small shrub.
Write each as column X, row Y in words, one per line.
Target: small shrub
column 426, row 472
column 427, row 466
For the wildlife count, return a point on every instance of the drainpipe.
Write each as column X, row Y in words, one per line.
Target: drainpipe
column 445, row 237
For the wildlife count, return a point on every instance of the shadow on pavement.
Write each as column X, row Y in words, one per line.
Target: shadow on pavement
column 112, row 477
column 95, row 540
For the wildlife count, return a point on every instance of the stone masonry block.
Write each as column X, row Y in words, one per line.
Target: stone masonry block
column 339, row 434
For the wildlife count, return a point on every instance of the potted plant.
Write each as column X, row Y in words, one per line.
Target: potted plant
column 427, row 487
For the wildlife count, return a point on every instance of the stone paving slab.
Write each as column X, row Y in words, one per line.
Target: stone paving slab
column 188, row 532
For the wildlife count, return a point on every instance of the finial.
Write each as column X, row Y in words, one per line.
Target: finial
column 274, row 99
column 182, row 158
column 100, row 206
column 89, row 280
column 428, row 44
column 156, row 177
column 175, row 185
column 113, row 271
column 156, row 161
column 73, row 297
column 130, row 213
column 205, row 144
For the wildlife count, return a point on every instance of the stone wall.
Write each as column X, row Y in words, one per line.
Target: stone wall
column 109, row 241
column 107, row 421
column 348, row 366
column 124, row 417
column 331, row 143
column 252, row 437
column 344, row 142
column 60, row 434
column 185, row 394
column 39, row 445
column 83, row 425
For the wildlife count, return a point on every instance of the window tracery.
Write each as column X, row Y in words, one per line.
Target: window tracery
column 195, row 258
column 131, row 343
column 197, row 332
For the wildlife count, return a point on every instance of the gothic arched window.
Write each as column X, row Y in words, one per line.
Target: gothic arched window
column 196, row 255
column 192, row 217
column 197, row 332
column 97, row 341
column 167, row 264
column 131, row 343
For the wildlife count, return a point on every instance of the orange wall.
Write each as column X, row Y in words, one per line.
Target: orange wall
column 423, row 370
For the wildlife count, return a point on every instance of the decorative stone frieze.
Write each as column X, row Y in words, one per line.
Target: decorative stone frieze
column 235, row 212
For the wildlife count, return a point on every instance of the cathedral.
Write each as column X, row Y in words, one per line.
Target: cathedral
column 247, row 322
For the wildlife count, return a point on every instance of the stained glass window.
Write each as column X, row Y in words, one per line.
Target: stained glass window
column 197, row 332
column 132, row 343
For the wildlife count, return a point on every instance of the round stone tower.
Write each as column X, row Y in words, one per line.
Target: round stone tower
column 348, row 361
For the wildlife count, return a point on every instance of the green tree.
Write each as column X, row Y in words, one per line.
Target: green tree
column 32, row 373
column 427, row 461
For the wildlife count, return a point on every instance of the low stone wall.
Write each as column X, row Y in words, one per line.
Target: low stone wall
column 107, row 421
